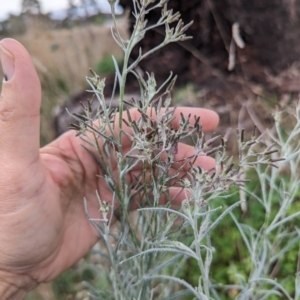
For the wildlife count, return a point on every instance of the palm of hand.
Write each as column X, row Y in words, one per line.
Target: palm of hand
column 48, row 231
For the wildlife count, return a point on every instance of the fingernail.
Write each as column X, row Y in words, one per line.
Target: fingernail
column 8, row 63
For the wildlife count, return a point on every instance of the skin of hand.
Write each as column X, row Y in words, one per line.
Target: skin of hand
column 43, row 226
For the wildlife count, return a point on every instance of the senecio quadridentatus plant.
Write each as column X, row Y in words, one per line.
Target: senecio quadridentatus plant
column 145, row 253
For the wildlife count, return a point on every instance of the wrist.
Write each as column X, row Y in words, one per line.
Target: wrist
column 15, row 287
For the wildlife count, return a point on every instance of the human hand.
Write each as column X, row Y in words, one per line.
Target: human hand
column 43, row 226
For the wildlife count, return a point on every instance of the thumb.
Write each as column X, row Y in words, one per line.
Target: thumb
column 19, row 104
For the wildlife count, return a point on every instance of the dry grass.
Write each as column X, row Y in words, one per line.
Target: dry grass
column 68, row 54
column 62, row 59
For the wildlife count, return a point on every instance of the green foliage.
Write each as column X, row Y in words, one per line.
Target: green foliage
column 232, row 257
column 187, row 95
column 64, row 285
column 99, row 20
column 54, row 47
column 106, row 66
column 62, row 85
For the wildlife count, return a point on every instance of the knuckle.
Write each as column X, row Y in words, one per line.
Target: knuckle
column 7, row 112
